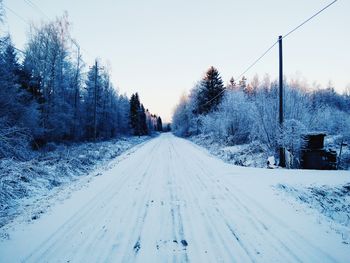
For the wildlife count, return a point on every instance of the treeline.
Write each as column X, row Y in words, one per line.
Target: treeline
column 142, row 121
column 45, row 95
column 239, row 113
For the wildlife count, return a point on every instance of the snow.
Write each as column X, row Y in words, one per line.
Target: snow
column 253, row 154
column 333, row 202
column 334, row 142
column 169, row 200
column 256, row 154
column 24, row 184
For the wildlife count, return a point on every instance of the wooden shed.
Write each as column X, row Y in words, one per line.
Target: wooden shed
column 314, row 155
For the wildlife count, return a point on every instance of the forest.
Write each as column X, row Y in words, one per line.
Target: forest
column 49, row 95
column 247, row 113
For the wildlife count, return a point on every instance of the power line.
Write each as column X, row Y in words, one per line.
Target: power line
column 270, row 48
column 290, row 32
column 245, row 71
column 307, row 20
column 34, row 6
column 16, row 14
column 34, row 58
column 30, row 3
column 24, row 54
column 17, row 49
column 257, row 60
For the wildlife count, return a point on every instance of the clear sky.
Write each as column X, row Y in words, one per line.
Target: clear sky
column 160, row 48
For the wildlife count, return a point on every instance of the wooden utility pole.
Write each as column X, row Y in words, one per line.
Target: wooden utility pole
column 281, row 150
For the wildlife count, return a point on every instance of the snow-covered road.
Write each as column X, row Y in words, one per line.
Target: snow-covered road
column 170, row 201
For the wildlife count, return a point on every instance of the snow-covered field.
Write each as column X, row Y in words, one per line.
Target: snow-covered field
column 29, row 185
column 171, row 201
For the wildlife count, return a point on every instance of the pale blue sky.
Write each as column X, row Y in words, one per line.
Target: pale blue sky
column 160, row 48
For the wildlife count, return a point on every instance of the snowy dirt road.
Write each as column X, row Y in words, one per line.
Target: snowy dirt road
column 170, row 201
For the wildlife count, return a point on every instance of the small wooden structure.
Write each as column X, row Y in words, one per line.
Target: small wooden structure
column 315, row 156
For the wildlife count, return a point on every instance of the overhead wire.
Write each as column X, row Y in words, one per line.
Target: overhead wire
column 307, row 20
column 245, row 71
column 16, row 14
column 34, row 6
column 270, row 48
column 24, row 53
column 29, row 2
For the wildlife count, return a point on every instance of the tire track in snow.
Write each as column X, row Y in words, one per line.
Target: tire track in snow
column 137, row 215
column 82, row 217
column 114, row 239
column 167, row 203
column 176, row 218
column 229, row 222
column 216, row 243
column 305, row 249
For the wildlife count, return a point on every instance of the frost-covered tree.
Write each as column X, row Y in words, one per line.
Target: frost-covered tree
column 2, row 12
column 232, row 85
column 250, row 114
column 123, row 118
column 48, row 61
column 18, row 114
column 291, row 139
column 181, row 118
column 232, row 122
column 93, row 101
column 47, row 97
column 266, row 126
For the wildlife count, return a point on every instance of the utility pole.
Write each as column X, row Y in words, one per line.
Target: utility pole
column 281, row 150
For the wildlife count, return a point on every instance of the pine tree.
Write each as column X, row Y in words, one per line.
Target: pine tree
column 159, row 124
column 143, row 121
column 243, row 83
column 232, row 84
column 135, row 108
column 210, row 92
column 18, row 114
column 18, row 107
column 123, row 117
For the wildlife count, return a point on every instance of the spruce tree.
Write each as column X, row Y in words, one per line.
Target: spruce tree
column 210, row 92
column 137, row 116
column 143, row 121
column 159, row 124
column 18, row 107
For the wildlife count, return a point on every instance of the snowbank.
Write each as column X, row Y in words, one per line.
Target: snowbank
column 324, row 194
column 22, row 183
column 253, row 154
column 334, row 142
column 331, row 201
column 256, row 154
